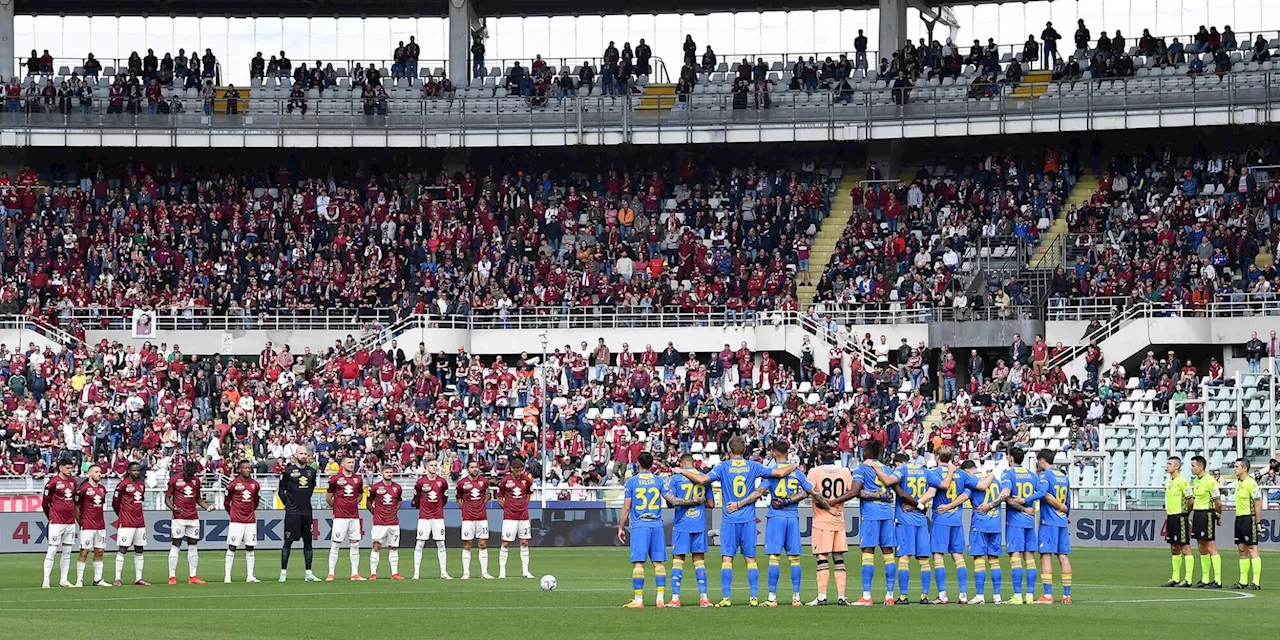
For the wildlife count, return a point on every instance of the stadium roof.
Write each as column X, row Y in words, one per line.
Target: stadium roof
column 407, row 8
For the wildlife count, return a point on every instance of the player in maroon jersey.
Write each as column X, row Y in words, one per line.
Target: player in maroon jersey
column 343, row 496
column 513, row 495
column 131, row 526
column 473, row 498
column 91, row 497
column 182, row 497
column 385, row 497
column 59, row 506
column 429, row 497
column 242, row 506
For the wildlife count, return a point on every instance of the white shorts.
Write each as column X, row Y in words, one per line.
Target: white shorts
column 387, row 535
column 512, row 529
column 131, row 537
column 93, row 539
column 62, row 534
column 474, row 529
column 432, row 529
column 242, row 533
column 345, row 529
column 189, row 529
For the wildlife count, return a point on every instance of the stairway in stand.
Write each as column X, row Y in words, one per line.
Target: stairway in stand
column 657, row 97
column 1044, row 258
column 1034, row 83
column 824, row 244
column 933, row 421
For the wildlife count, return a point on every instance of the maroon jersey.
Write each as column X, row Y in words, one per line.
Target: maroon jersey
column 91, row 499
column 347, row 491
column 386, row 497
column 128, row 504
column 184, row 494
column 242, row 500
column 473, row 496
column 515, row 496
column 60, row 500
column 430, row 497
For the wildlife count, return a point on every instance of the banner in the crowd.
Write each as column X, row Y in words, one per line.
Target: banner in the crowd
column 575, row 524
column 143, row 324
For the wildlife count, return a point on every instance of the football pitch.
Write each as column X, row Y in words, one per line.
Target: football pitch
column 1115, row 596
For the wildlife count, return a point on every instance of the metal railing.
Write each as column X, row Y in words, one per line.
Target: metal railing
column 200, row 318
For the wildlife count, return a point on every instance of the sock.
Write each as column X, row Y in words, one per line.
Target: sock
column 466, row 562
column 677, row 576
column 375, row 556
column 484, row 561
column 868, row 573
column 1177, row 567
column 79, row 571
column 284, row 555
column 65, row 561
column 1257, row 570
column 1015, row 565
column 753, row 577
column 1066, row 585
column 659, row 574
column 1046, row 585
column 394, row 558
column 1031, row 574
column 962, row 576
column 823, row 578
column 502, row 560
column 249, row 562
column 926, row 575
column 308, row 552
column 231, row 557
column 334, row 550
column 700, row 574
column 997, row 577
column 137, row 565
column 173, row 562
column 50, row 556
column 442, row 556
column 524, row 559
column 904, row 576
column 726, row 578
column 355, row 560
column 796, row 574
column 119, row 564
column 841, row 576
column 775, row 572
column 1206, row 568
column 980, row 575
column 193, row 560
column 417, row 557
column 1216, row 561
column 637, row 581
column 890, row 574
column 940, row 577
column 1189, row 564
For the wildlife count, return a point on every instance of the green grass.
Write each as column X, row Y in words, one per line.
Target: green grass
column 1115, row 597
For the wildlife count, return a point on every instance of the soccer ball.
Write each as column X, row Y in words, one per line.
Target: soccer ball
column 548, row 583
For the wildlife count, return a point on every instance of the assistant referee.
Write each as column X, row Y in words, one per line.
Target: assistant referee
column 1206, row 510
column 297, row 486
column 1248, row 499
column 1177, row 524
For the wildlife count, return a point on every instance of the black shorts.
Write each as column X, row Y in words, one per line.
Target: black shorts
column 1247, row 530
column 1204, row 525
column 297, row 526
column 1177, row 529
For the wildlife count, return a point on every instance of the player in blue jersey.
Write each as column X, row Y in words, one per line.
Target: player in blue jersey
column 875, row 511
column 782, row 531
column 738, row 478
column 946, row 535
column 912, row 531
column 642, row 504
column 1018, row 490
column 984, row 531
column 689, row 532
column 1055, row 539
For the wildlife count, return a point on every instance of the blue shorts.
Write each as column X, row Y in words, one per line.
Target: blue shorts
column 947, row 538
column 782, row 535
column 1056, row 540
column 984, row 544
column 1018, row 539
column 876, row 533
column 913, row 541
column 648, row 543
column 738, row 538
column 684, row 542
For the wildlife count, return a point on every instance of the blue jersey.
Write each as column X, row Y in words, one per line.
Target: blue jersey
column 1021, row 484
column 943, row 497
column 782, row 488
column 646, row 492
column 988, row 522
column 869, row 509
column 737, row 480
column 689, row 519
column 913, row 479
column 1053, row 483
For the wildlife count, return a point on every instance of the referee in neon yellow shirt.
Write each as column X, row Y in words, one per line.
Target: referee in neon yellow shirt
column 1206, row 513
column 1248, row 499
column 1177, row 525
